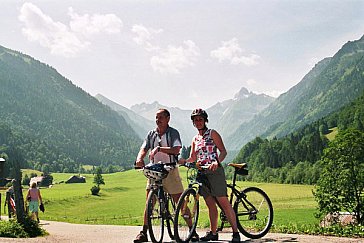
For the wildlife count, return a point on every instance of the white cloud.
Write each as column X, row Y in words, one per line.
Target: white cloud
column 230, row 51
column 144, row 36
column 251, row 82
column 94, row 24
column 173, row 59
column 63, row 40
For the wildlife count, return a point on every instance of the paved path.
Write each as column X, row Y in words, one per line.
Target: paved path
column 66, row 232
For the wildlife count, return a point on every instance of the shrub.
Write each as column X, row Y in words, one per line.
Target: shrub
column 95, row 190
column 12, row 229
column 32, row 227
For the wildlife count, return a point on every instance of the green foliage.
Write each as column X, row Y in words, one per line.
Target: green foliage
column 47, row 180
column 26, row 180
column 12, row 229
column 55, row 125
column 334, row 230
column 341, row 184
column 294, row 158
column 98, row 179
column 32, row 228
column 95, row 190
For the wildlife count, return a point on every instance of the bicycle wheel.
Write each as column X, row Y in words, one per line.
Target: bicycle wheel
column 186, row 216
column 254, row 212
column 155, row 217
column 170, row 210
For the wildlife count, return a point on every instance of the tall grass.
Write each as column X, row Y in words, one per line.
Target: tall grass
column 121, row 201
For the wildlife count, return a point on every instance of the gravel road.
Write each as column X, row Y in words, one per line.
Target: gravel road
column 66, row 232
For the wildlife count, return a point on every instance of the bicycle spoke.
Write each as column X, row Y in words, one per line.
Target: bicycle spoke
column 254, row 213
column 186, row 216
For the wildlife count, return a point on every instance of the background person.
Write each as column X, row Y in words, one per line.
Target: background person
column 204, row 149
column 35, row 199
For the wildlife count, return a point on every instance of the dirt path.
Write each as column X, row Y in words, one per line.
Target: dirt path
column 66, row 232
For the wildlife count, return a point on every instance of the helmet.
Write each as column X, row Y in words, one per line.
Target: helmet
column 155, row 171
column 199, row 112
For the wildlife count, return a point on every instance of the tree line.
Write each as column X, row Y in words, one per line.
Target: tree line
column 295, row 157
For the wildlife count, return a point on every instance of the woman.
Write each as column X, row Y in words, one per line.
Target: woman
column 34, row 198
column 204, row 150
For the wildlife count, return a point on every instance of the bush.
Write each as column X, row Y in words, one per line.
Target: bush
column 12, row 229
column 95, row 190
column 32, row 227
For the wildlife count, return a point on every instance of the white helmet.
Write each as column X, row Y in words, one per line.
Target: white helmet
column 155, row 171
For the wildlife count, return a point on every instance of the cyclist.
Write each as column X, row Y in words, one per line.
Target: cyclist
column 204, row 150
column 164, row 144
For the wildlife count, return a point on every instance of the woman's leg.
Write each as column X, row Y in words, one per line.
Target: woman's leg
column 213, row 213
column 229, row 212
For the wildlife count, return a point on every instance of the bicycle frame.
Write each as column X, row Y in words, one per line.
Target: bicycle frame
column 251, row 205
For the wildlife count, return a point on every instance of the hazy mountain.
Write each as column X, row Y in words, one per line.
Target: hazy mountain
column 225, row 116
column 180, row 119
column 228, row 115
column 332, row 83
column 139, row 124
column 57, row 124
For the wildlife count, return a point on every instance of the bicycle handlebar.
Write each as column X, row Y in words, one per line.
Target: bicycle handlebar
column 159, row 162
column 196, row 166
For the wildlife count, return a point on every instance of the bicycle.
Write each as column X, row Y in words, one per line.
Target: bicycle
column 252, row 206
column 160, row 206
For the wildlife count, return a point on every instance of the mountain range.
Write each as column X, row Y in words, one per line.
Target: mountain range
column 332, row 83
column 224, row 116
column 55, row 123
column 52, row 122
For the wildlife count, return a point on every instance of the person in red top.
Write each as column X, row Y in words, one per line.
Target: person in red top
column 208, row 149
column 35, row 199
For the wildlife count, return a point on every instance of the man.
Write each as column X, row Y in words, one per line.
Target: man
column 164, row 144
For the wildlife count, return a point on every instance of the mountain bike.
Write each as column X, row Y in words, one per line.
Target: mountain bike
column 252, row 206
column 160, row 206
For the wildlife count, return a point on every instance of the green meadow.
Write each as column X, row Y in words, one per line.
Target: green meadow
column 121, row 201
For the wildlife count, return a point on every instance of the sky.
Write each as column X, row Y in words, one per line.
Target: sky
column 186, row 53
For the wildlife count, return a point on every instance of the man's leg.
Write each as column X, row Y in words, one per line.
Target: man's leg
column 143, row 235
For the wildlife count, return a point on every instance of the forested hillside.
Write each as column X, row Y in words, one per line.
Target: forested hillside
column 293, row 158
column 331, row 84
column 54, row 124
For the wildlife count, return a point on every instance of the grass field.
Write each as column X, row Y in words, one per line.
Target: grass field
column 122, row 198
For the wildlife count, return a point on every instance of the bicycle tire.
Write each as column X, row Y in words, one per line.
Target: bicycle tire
column 254, row 212
column 155, row 217
column 170, row 214
column 186, row 216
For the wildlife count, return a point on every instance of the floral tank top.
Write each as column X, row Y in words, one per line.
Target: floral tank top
column 205, row 148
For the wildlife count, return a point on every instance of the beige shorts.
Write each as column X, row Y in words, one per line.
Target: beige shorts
column 172, row 184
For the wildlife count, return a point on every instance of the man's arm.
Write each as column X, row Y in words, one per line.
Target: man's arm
column 140, row 158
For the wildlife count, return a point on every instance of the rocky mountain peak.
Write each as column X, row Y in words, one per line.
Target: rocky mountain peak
column 242, row 94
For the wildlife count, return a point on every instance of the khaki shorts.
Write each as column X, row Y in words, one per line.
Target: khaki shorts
column 172, row 184
column 216, row 183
